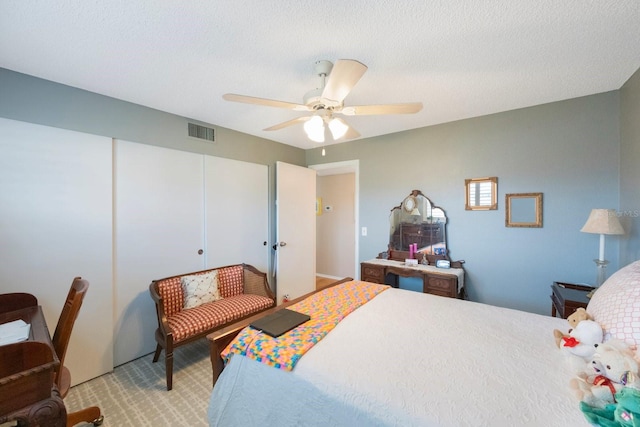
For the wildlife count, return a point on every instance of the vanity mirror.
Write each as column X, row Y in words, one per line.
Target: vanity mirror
column 417, row 226
column 417, row 221
column 523, row 210
column 481, row 193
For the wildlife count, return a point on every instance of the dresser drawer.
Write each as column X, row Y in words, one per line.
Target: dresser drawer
column 441, row 286
column 372, row 273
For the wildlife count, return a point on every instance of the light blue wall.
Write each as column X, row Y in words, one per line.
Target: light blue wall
column 567, row 150
column 630, row 169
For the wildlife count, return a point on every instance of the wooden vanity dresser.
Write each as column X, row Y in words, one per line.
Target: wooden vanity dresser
column 438, row 281
column 417, row 229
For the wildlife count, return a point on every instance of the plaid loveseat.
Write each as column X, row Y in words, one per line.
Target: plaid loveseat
column 243, row 289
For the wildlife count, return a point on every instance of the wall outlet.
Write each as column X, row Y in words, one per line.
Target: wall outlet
column 364, row 231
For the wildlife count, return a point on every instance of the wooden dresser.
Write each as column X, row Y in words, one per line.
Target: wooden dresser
column 437, row 281
column 417, row 229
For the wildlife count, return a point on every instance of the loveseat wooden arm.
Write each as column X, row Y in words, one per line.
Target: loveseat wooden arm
column 255, row 282
column 163, row 324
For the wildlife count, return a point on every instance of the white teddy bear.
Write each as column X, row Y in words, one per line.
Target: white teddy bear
column 611, row 364
column 579, row 344
column 582, row 339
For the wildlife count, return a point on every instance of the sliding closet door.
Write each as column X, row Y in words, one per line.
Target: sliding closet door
column 237, row 218
column 159, row 231
column 55, row 224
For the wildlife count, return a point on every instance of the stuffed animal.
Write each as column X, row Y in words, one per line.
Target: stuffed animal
column 582, row 340
column 611, row 364
column 627, row 412
column 579, row 344
column 576, row 317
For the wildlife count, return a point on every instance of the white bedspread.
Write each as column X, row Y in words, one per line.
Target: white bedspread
column 411, row 359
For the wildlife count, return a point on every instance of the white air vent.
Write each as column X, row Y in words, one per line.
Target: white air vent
column 201, row 132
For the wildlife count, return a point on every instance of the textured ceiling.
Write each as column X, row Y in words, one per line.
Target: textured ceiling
column 460, row 59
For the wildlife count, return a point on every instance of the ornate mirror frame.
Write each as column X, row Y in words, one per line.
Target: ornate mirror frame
column 481, row 194
column 523, row 210
column 417, row 220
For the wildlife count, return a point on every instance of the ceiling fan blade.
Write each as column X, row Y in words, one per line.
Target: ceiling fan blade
column 289, row 123
column 367, row 110
column 266, row 102
column 343, row 77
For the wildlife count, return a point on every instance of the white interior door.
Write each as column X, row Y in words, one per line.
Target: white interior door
column 159, row 231
column 55, row 224
column 237, row 213
column 295, row 230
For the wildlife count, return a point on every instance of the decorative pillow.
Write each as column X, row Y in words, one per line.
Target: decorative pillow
column 231, row 280
column 616, row 306
column 200, row 288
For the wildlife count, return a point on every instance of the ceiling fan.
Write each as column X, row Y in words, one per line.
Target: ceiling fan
column 325, row 102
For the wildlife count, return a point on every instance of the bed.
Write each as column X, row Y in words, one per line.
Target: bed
column 410, row 359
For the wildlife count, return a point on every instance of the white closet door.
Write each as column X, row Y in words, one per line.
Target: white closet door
column 55, row 224
column 237, row 213
column 159, row 231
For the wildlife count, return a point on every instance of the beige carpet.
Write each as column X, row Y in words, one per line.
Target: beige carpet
column 135, row 393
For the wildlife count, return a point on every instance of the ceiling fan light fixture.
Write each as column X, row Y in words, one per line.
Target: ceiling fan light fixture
column 322, row 103
column 338, row 128
column 314, row 128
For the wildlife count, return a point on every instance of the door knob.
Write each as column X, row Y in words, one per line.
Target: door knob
column 200, row 251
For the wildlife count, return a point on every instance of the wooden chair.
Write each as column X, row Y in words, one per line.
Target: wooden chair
column 60, row 343
column 16, row 301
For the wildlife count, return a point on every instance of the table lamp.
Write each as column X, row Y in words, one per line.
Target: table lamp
column 602, row 221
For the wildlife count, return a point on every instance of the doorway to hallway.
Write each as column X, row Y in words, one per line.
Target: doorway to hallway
column 337, row 220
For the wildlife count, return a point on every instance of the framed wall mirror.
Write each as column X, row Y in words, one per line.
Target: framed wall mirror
column 481, row 193
column 418, row 221
column 523, row 210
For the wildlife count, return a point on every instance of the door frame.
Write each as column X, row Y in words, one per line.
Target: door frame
column 336, row 168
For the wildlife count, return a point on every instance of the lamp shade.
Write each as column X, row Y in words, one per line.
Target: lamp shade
column 338, row 128
column 603, row 221
column 314, row 128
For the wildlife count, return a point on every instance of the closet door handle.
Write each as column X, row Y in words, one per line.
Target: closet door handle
column 283, row 243
column 200, row 251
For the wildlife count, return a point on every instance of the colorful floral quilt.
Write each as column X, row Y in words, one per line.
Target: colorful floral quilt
column 326, row 309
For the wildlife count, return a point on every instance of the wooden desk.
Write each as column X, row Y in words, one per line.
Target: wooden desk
column 437, row 281
column 27, row 391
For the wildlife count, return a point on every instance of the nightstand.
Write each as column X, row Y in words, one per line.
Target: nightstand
column 568, row 297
